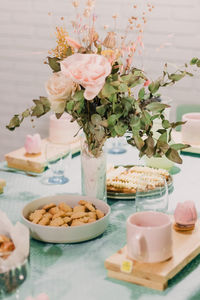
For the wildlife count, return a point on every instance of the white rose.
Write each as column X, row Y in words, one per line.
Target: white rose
column 59, row 88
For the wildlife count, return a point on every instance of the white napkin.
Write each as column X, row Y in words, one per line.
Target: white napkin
column 19, row 234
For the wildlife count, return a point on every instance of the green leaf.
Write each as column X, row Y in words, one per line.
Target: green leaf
column 176, row 77
column 38, row 110
column 141, row 93
column 166, row 124
column 135, row 123
column 163, row 137
column 123, row 88
column 198, row 63
column 150, row 146
column 173, row 155
column 70, row 105
column 175, row 124
column 78, row 96
column 163, row 146
column 108, row 90
column 54, row 63
column 14, row 122
column 99, row 133
column 101, row 109
column 96, row 119
column 179, row 146
column 26, row 113
column 138, row 141
column 194, row 61
column 120, row 128
column 154, row 86
column 156, row 107
column 112, row 120
column 146, row 118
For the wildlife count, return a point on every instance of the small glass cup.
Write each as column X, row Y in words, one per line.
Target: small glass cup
column 58, row 157
column 155, row 200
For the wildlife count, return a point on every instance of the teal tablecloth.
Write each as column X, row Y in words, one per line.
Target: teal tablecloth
column 76, row 271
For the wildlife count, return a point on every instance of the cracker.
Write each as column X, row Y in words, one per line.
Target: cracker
column 49, row 206
column 44, row 221
column 89, row 207
column 63, row 206
column 77, row 223
column 57, row 222
column 61, row 213
column 79, row 208
column 78, row 215
column 54, row 210
column 99, row 214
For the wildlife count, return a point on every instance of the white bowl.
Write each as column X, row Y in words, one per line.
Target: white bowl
column 73, row 234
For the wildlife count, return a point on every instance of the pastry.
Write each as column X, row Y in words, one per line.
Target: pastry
column 185, row 216
column 129, row 180
column 6, row 246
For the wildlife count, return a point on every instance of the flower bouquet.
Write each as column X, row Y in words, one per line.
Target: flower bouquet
column 95, row 81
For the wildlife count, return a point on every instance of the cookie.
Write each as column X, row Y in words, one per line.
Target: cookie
column 78, row 215
column 92, row 215
column 44, row 221
column 61, row 213
column 99, row 214
column 49, row 206
column 54, row 210
column 67, row 219
column 179, row 227
column 79, row 208
column 57, row 222
column 89, row 206
column 63, row 206
column 77, row 223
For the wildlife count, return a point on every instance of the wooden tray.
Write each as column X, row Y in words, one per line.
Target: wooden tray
column 36, row 163
column 186, row 246
column 2, row 184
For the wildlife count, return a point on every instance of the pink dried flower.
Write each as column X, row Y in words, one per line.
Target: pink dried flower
column 110, row 41
column 75, row 3
column 72, row 43
column 147, row 82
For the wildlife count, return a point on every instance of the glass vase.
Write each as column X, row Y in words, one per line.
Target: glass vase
column 93, row 173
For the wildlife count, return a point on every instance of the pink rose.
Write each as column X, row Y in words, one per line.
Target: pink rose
column 33, row 144
column 59, row 88
column 88, row 70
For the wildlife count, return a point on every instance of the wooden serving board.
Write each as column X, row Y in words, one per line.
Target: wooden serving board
column 18, row 159
column 186, row 246
column 2, row 184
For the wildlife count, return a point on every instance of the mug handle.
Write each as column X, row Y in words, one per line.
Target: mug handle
column 136, row 243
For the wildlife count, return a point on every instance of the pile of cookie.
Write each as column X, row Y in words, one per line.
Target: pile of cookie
column 64, row 215
column 6, row 246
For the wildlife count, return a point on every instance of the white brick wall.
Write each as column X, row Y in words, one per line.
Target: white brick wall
column 27, row 33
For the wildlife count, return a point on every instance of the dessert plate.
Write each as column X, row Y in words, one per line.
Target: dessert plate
column 131, row 196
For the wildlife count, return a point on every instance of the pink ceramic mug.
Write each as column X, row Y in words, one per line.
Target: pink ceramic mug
column 149, row 236
column 191, row 129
